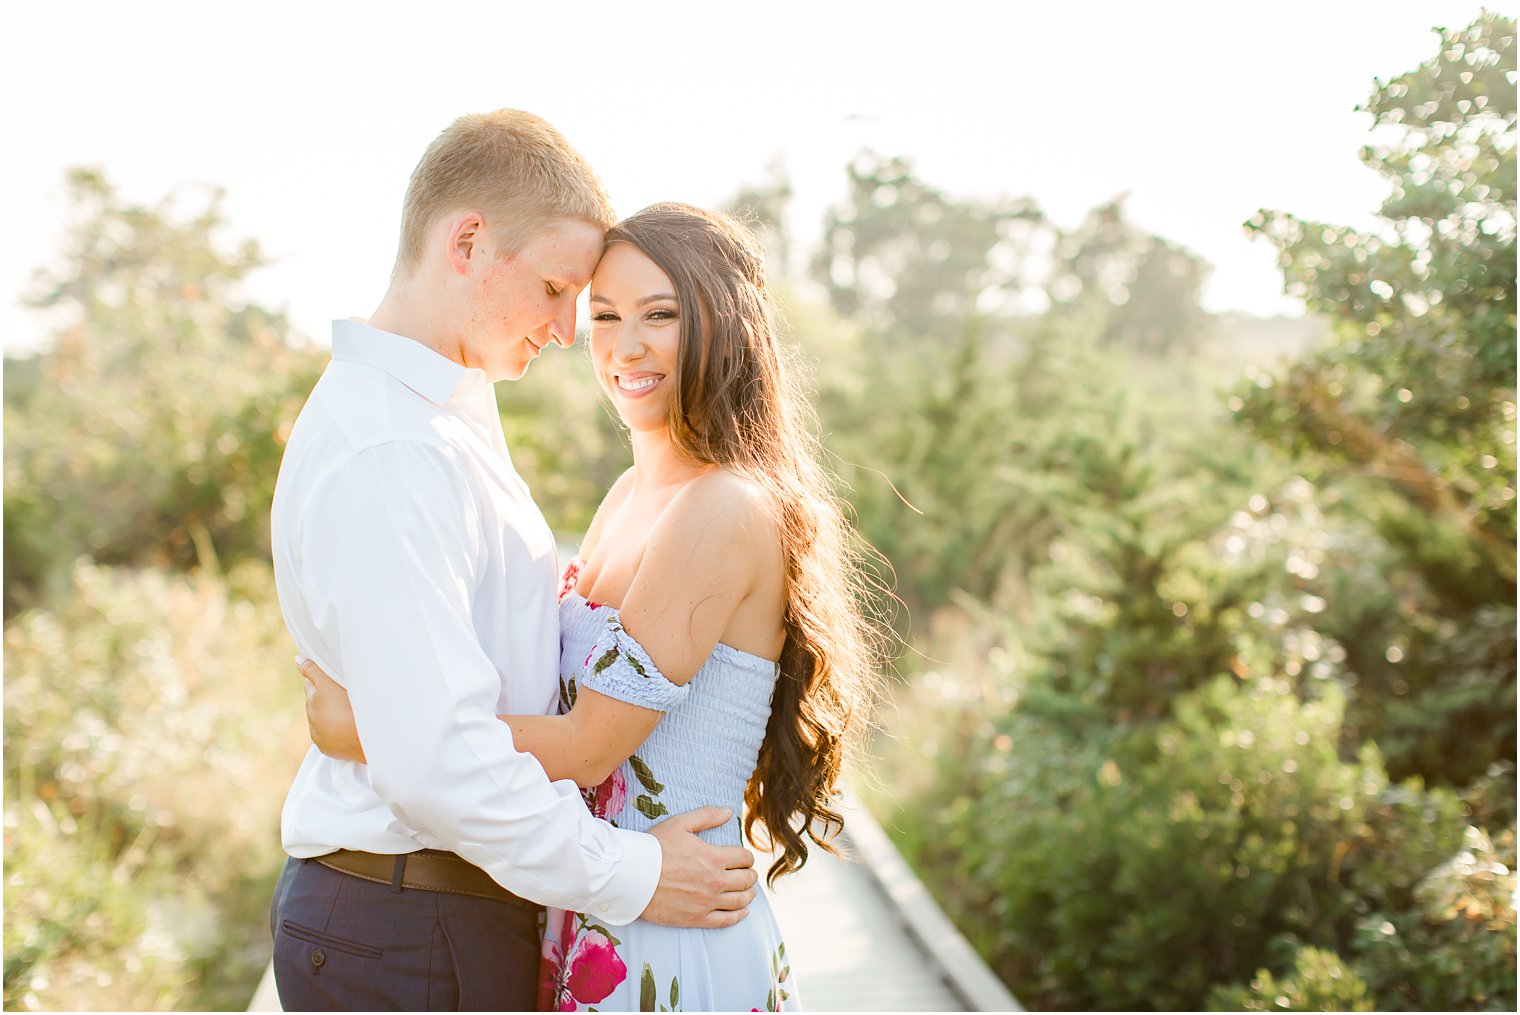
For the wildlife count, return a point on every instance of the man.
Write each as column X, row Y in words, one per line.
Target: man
column 412, row 563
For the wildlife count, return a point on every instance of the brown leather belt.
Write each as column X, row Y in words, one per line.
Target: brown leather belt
column 431, row 870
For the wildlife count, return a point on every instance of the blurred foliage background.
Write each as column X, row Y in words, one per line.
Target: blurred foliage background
column 1207, row 697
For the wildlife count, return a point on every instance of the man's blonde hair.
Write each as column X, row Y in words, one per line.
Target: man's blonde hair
column 513, row 168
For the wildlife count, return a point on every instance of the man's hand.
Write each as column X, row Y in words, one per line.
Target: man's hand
column 700, row 885
column 329, row 716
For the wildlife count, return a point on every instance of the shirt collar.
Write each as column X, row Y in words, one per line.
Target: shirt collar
column 432, row 376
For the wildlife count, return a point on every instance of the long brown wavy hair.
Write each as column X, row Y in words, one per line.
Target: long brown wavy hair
column 739, row 403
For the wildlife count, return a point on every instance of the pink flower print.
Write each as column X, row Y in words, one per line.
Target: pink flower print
column 595, row 968
column 570, row 578
column 552, row 992
column 550, row 966
column 606, row 801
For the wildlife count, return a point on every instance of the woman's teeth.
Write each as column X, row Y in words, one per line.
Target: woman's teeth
column 641, row 384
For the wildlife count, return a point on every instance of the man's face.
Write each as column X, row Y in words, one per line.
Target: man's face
column 519, row 304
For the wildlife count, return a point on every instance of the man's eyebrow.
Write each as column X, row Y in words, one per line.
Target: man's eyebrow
column 563, row 271
column 642, row 301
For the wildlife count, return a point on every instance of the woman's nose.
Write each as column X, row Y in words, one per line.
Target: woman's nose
column 630, row 344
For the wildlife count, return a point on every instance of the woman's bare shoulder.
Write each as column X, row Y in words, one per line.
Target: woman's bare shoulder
column 721, row 516
column 724, row 499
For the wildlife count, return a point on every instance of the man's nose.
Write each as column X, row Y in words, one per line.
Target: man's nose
column 562, row 327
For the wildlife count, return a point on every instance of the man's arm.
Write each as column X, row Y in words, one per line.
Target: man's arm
column 390, row 551
column 715, row 541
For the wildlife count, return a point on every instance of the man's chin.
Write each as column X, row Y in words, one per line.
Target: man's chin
column 510, row 372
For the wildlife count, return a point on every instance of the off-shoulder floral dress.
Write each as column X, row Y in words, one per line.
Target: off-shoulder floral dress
column 703, row 752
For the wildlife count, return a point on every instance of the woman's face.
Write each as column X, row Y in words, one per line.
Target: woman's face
column 635, row 335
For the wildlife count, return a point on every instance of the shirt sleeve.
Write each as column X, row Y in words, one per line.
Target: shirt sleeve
column 390, row 548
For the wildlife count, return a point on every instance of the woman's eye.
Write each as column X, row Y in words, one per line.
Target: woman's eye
column 662, row 315
column 605, row 315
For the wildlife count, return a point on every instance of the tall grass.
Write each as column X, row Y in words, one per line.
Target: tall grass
column 152, row 724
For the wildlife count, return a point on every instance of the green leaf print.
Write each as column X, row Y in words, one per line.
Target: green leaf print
column 638, row 667
column 608, row 658
column 675, row 995
column 566, row 695
column 651, row 809
column 646, row 989
column 646, row 776
column 588, row 925
column 780, row 970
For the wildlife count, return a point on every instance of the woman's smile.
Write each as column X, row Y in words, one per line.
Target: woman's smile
column 637, row 384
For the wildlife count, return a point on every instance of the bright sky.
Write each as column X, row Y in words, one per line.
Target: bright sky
column 312, row 114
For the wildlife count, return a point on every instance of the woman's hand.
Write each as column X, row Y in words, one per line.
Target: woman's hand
column 329, row 716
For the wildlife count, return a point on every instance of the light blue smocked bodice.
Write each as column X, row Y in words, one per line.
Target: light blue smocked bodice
column 704, row 750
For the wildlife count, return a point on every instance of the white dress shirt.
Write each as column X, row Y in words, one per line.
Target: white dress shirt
column 413, row 566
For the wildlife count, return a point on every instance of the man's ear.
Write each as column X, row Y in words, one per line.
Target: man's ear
column 465, row 240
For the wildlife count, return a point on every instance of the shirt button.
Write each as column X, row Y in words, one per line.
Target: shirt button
column 604, row 908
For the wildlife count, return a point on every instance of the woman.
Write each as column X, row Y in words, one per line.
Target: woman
column 714, row 646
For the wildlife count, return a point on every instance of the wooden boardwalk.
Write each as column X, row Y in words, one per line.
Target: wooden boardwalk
column 862, row 934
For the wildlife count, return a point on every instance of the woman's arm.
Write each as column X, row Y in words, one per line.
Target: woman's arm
column 587, row 743
column 330, row 715
column 705, row 556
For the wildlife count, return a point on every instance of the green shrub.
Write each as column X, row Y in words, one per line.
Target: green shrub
column 80, row 931
column 1320, row 981
column 1148, row 865
column 152, row 724
column 1454, row 948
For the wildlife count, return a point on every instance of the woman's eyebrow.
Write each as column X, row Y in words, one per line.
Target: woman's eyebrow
column 642, row 301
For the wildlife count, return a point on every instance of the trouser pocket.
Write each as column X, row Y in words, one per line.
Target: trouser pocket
column 321, row 972
column 317, row 939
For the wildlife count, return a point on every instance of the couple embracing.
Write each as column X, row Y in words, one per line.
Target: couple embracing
column 531, row 786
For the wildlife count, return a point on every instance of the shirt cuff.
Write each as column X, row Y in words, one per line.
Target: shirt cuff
column 627, row 895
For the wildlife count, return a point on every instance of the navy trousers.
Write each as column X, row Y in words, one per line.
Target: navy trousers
column 342, row 943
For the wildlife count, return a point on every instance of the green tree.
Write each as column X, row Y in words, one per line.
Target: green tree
column 901, row 257
column 1137, row 290
column 1274, row 651
column 1408, row 415
column 151, row 430
column 763, row 207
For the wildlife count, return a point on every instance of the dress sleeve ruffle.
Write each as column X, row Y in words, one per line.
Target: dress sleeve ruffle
column 620, row 668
